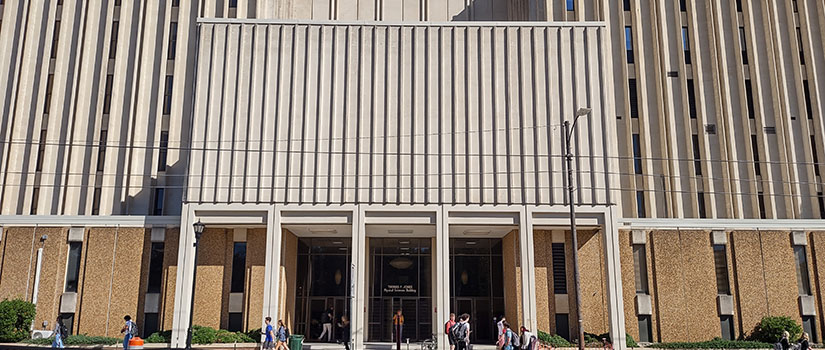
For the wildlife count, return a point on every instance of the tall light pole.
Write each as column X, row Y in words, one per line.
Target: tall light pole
column 198, row 228
column 568, row 134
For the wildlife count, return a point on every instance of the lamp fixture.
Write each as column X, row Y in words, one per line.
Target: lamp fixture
column 477, row 232
column 323, row 230
column 400, row 232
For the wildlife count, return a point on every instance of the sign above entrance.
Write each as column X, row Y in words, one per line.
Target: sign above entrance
column 400, row 289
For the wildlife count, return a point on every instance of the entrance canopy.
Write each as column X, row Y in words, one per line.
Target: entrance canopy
column 450, row 113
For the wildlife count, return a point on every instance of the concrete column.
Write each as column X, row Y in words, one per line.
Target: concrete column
column 272, row 270
column 528, row 270
column 615, row 304
column 358, row 287
column 183, row 282
column 441, row 273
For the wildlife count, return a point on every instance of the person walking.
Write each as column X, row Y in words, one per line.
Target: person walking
column 326, row 321
column 281, row 336
column 461, row 332
column 447, row 328
column 398, row 325
column 267, row 345
column 60, row 333
column 803, row 342
column 527, row 338
column 500, row 325
column 345, row 337
column 785, row 342
column 509, row 336
column 129, row 331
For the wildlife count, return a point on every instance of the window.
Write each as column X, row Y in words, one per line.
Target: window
column 570, row 6
column 157, row 209
column 117, row 2
column 755, row 147
column 113, row 40
column 814, row 156
column 35, row 200
column 41, row 151
column 628, row 43
column 164, row 149
column 682, row 5
column 563, row 325
column 55, row 38
column 820, row 197
column 726, row 323
column 720, row 261
column 697, row 156
column 686, row 44
column 640, row 268
column 96, row 202
column 808, row 106
column 233, row 4
column 700, row 202
column 175, row 3
column 637, row 154
column 634, row 102
column 150, row 324
column 760, row 197
column 235, row 322
column 691, row 99
column 107, row 97
column 167, row 96
column 749, row 97
column 73, row 266
column 47, row 104
column 795, row 6
column 743, row 44
column 68, row 320
column 101, row 150
column 645, row 329
column 809, row 326
column 155, row 268
column 802, row 278
column 738, row 5
column 238, row 267
column 559, row 269
column 799, row 41
column 626, row 4
column 640, row 204
column 173, row 41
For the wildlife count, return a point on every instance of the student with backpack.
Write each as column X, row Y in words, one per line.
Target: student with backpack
column 282, row 335
column 60, row 334
column 450, row 323
column 527, row 339
column 268, row 335
column 510, row 338
column 129, row 331
column 461, row 333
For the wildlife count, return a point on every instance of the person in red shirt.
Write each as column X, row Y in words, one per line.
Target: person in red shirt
column 447, row 327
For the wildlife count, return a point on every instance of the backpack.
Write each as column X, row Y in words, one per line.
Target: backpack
column 133, row 330
column 64, row 332
column 516, row 340
column 777, row 346
column 458, row 332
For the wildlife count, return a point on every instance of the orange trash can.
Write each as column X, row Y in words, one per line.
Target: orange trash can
column 135, row 343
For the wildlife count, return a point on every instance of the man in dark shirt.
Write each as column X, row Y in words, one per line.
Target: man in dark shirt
column 326, row 321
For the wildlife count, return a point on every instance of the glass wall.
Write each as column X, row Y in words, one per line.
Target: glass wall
column 323, row 281
column 477, row 284
column 400, row 277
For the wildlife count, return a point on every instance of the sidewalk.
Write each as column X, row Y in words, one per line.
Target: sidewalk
column 247, row 346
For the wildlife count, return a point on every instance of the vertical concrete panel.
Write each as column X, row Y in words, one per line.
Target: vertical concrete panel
column 95, row 280
column 668, row 285
column 544, row 281
column 209, row 281
column 591, row 266
column 748, row 279
column 18, row 262
column 702, row 321
column 255, row 263
column 52, row 275
column 512, row 279
column 125, row 292
column 780, row 274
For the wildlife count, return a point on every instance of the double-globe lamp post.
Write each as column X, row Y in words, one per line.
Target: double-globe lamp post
column 198, row 228
column 568, row 134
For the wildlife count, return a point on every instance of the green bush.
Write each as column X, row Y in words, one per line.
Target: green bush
column 596, row 340
column 770, row 328
column 630, row 342
column 15, row 319
column 159, row 337
column 554, row 340
column 254, row 334
column 203, row 335
column 716, row 343
column 79, row 339
column 224, row 336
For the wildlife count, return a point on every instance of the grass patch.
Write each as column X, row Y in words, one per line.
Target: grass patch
column 716, row 343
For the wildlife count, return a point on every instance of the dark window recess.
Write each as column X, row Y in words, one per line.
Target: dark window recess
column 802, row 278
column 101, row 150
column 682, row 5
column 155, row 268
column 47, row 104
column 235, row 322
column 238, row 267
column 73, row 266
column 175, row 3
column 563, row 325
column 628, row 37
column 640, row 268
column 157, row 208
column 739, row 5
column 691, row 99
column 570, row 5
column 769, row 130
column 697, row 156
column 808, row 106
column 645, row 329
column 96, row 201
column 755, row 147
column 107, row 97
column 710, row 129
column 820, row 197
column 233, row 4
column 626, row 5
column 167, row 96
column 726, row 324
column 41, row 151
column 686, row 44
column 801, row 47
column 749, row 97
column 760, row 197
column 173, row 41
column 743, row 43
column 150, row 324
column 700, row 202
column 634, row 102
column 68, row 321
column 720, row 260
column 637, row 154
column 559, row 269
column 809, row 326
column 640, row 204
column 35, row 200
column 163, row 151
column 117, row 2
column 814, row 155
column 55, row 38
column 113, row 40
column 673, row 74
column 795, row 6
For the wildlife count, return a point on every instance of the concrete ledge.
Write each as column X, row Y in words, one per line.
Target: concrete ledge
column 638, row 237
column 807, row 305
column 562, row 303
column 719, row 237
column 76, row 234
column 724, row 304
column 68, row 302
column 643, row 305
column 799, row 238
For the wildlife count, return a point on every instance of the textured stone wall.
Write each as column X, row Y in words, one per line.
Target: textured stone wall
column 170, row 274
column 255, row 265
column 512, row 279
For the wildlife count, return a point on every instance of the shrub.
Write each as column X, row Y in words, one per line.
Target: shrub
column 79, row 339
column 630, row 342
column 15, row 319
column 716, row 343
column 203, row 335
column 770, row 328
column 554, row 340
column 596, row 340
column 254, row 334
column 159, row 337
column 224, row 336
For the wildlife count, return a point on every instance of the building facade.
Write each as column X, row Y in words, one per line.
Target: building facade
column 369, row 156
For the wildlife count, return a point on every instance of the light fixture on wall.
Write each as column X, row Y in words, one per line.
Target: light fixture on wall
column 338, row 277
column 401, row 263
column 465, row 278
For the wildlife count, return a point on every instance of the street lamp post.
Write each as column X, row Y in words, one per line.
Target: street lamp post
column 198, row 228
column 568, row 134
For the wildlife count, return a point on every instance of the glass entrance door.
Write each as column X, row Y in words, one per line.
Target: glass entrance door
column 476, row 285
column 322, row 285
